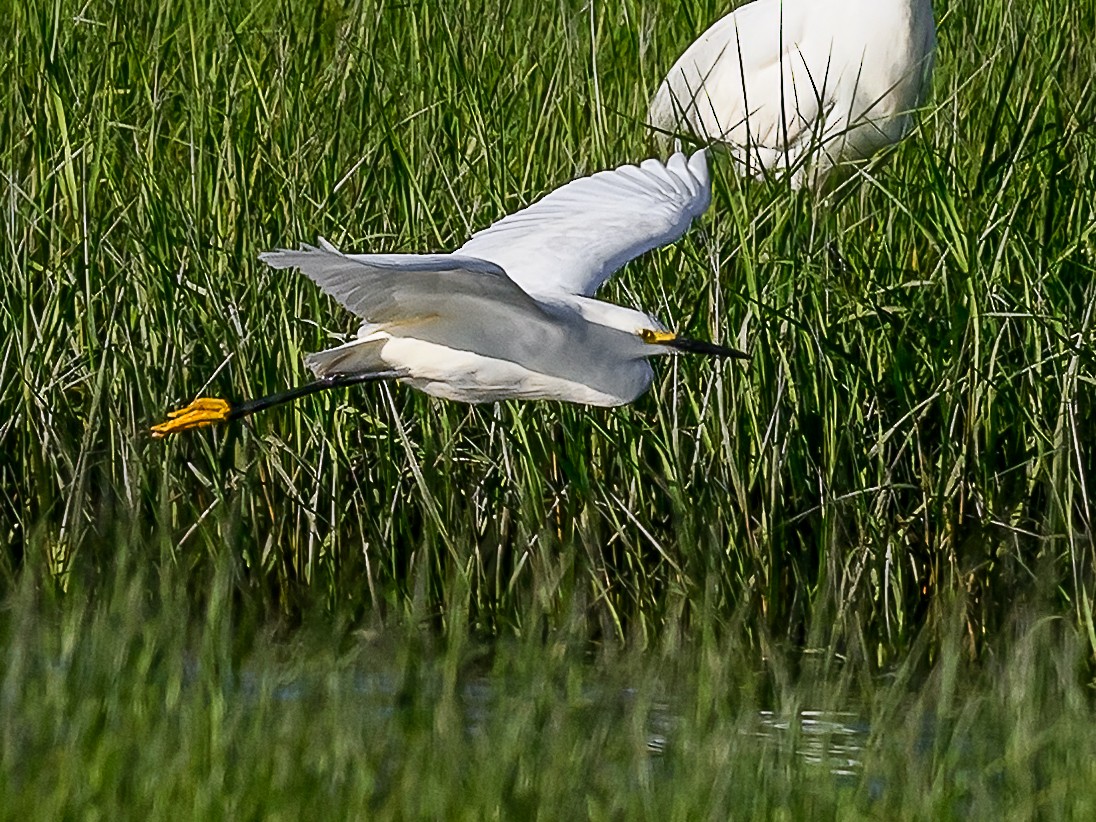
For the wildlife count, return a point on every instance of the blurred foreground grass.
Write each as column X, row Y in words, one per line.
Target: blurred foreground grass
column 130, row 706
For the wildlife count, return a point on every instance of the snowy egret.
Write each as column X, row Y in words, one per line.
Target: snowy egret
column 802, row 85
column 510, row 314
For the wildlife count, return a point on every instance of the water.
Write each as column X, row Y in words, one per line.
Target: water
column 833, row 740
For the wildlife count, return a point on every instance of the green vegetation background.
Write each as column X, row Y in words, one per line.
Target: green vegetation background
column 899, row 477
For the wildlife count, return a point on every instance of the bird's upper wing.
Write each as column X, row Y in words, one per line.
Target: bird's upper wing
column 407, row 289
column 573, row 239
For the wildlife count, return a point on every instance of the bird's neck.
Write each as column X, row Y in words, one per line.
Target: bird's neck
column 599, row 312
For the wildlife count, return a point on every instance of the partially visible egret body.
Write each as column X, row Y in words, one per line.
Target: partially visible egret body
column 510, row 314
column 802, row 85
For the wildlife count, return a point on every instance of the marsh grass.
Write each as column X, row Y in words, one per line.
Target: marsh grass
column 914, row 427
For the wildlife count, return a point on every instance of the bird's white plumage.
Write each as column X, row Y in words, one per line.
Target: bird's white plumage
column 802, row 85
column 508, row 315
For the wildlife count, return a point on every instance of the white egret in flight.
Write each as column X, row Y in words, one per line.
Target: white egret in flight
column 510, row 314
column 802, row 85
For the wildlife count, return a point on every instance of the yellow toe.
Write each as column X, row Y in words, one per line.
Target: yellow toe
column 203, row 411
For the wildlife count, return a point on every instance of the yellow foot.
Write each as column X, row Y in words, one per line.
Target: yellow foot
column 203, row 411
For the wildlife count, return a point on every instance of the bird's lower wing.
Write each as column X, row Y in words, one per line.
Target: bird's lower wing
column 456, row 301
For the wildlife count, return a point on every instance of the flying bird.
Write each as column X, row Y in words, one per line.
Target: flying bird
column 802, row 86
column 511, row 313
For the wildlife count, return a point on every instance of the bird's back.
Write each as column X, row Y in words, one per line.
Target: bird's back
column 721, row 86
column 777, row 78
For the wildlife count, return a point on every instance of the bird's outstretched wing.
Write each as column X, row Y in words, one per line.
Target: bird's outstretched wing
column 443, row 297
column 395, row 288
column 573, row 239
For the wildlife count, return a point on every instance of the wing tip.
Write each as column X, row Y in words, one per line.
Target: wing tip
column 288, row 257
column 697, row 166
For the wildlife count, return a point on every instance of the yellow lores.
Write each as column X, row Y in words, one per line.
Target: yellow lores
column 656, row 337
column 511, row 314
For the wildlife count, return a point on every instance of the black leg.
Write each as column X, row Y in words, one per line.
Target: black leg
column 249, row 407
column 208, row 410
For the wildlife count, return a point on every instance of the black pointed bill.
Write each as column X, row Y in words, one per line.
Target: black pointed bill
column 672, row 340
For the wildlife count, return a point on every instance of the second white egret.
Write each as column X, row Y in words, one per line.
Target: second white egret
column 510, row 314
column 802, row 86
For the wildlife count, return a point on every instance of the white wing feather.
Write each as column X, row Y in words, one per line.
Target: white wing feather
column 401, row 288
column 573, row 239
column 444, row 298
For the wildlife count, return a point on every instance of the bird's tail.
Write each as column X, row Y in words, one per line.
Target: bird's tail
column 354, row 357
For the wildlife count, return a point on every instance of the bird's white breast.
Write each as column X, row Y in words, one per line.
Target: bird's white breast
column 467, row 376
